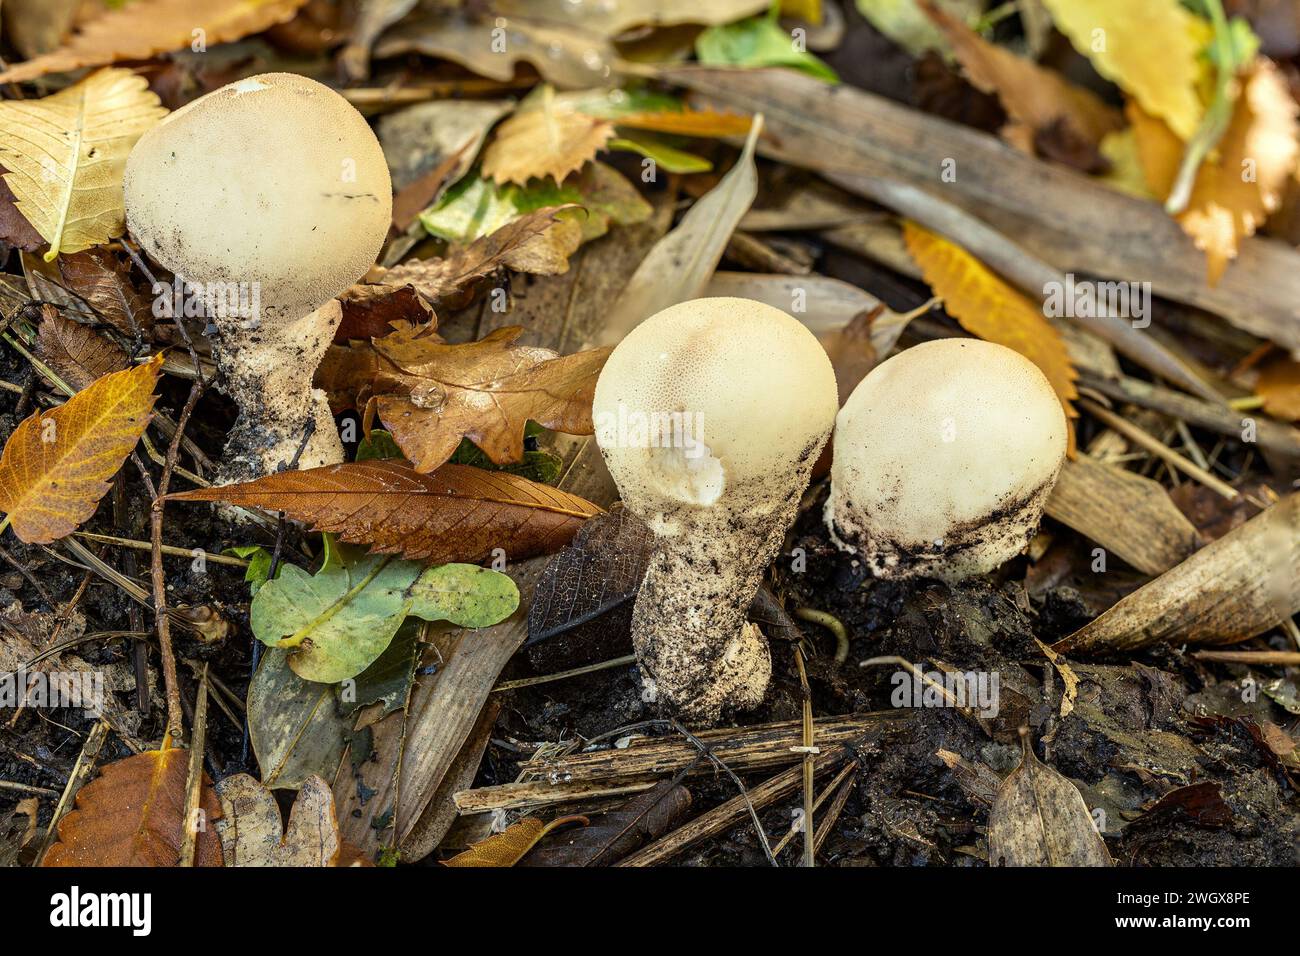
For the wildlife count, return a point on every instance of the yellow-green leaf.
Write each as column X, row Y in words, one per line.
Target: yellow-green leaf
column 56, row 465
column 65, row 155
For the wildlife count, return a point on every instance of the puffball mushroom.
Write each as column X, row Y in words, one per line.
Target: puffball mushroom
column 944, row 457
column 272, row 193
column 710, row 415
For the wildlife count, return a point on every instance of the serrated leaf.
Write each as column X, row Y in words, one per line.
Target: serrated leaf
column 1235, row 190
column 66, row 154
column 544, row 138
column 988, row 307
column 253, row 834
column 57, row 464
column 132, row 815
column 456, row 513
column 1149, row 49
column 144, row 28
column 337, row 622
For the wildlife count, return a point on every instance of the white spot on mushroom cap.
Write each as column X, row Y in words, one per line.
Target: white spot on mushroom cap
column 275, row 179
column 756, row 383
column 950, row 445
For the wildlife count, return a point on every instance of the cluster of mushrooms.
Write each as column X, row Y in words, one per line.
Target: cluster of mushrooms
column 944, row 455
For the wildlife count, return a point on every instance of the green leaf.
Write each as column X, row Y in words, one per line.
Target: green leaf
column 666, row 157
column 296, row 727
column 340, row 620
column 259, row 564
column 606, row 197
column 756, row 42
column 477, row 207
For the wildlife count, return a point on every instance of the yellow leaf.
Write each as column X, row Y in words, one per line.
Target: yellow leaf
column 545, row 139
column 1121, row 151
column 989, row 308
column 143, row 28
column 707, row 123
column 809, row 11
column 56, row 465
column 1279, row 384
column 65, row 155
column 1148, row 47
column 1238, row 187
column 510, row 845
column 1032, row 96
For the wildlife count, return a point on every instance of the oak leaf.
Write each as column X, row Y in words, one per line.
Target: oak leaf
column 1236, row 189
column 56, row 464
column 457, row 513
column 1150, row 49
column 78, row 353
column 988, row 307
column 430, row 394
column 252, row 833
column 544, row 138
column 132, row 815
column 144, row 28
column 66, row 154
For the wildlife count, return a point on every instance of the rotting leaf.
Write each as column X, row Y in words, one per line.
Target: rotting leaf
column 611, row 836
column 252, row 833
column 1068, row 677
column 509, row 846
column 79, row 354
column 57, row 464
column 1039, row 819
column 145, row 28
column 295, row 725
column 371, row 311
column 66, row 155
column 456, row 513
column 100, row 278
column 131, row 815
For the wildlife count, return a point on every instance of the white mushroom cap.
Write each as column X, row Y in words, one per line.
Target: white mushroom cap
column 944, row 457
column 275, row 179
column 755, row 387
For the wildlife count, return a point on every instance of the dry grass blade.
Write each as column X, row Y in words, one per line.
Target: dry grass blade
column 457, row 513
column 56, row 465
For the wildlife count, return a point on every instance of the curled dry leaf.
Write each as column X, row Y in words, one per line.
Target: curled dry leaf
column 1235, row 190
column 509, row 846
column 1039, row 819
column 57, row 464
column 132, row 815
column 987, row 306
column 66, row 154
column 430, row 394
column 372, row 311
column 78, row 353
column 1232, row 589
column 104, row 283
column 544, row 138
column 252, row 833
column 611, row 836
column 145, row 28
column 457, row 513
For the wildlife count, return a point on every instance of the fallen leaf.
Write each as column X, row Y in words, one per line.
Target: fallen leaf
column 57, row 464
column 131, row 815
column 373, row 18
column 337, row 622
column 78, row 353
column 543, row 138
column 612, row 17
column 296, row 726
column 457, row 513
column 666, row 157
column 477, row 207
column 104, row 283
column 987, row 306
column 1035, row 98
column 1236, row 190
column 434, row 394
column 1039, row 819
column 679, row 265
column 1150, row 49
column 66, row 154
column 609, row 837
column 419, row 139
column 144, row 28
column 904, row 22
column 372, row 311
column 509, row 846
column 1068, row 677
column 1278, row 381
column 680, row 122
column 757, row 42
column 252, row 833
column 15, row 230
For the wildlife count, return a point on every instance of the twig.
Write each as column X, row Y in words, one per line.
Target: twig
column 27, row 788
column 809, row 752
column 168, row 549
column 194, row 780
column 81, row 772
column 1284, row 658
column 562, row 675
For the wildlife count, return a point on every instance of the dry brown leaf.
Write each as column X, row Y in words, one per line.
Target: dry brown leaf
column 990, row 308
column 1278, row 382
column 1035, row 99
column 509, row 846
column 1243, row 182
column 131, row 815
column 704, row 123
column 252, row 833
column 433, row 394
column 56, row 464
column 544, row 139
column 372, row 311
column 457, row 513
column 78, row 353
column 145, row 28
column 104, row 282
column 527, row 244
